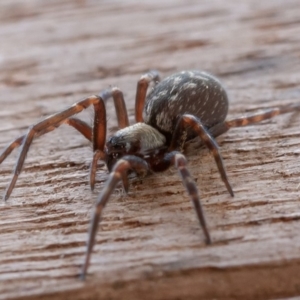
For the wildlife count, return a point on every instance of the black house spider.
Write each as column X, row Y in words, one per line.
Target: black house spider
column 181, row 107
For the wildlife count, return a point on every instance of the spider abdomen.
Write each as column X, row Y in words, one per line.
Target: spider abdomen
column 188, row 92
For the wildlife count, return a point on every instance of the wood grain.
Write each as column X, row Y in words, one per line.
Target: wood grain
column 150, row 246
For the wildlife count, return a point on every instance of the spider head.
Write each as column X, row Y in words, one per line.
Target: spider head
column 117, row 146
column 114, row 151
column 132, row 140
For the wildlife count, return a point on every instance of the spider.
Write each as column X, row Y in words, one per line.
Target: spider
column 180, row 107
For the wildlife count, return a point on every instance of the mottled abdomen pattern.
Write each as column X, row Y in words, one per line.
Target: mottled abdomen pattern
column 188, row 92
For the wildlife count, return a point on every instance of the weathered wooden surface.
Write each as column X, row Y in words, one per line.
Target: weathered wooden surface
column 150, row 246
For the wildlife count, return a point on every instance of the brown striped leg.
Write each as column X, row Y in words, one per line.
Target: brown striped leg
column 123, row 122
column 119, row 103
column 180, row 163
column 99, row 138
column 178, row 139
column 264, row 115
column 119, row 171
column 79, row 125
column 141, row 91
column 252, row 119
column 51, row 122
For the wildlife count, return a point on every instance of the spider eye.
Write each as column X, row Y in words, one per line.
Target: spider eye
column 115, row 143
column 118, row 146
column 115, row 148
column 115, row 155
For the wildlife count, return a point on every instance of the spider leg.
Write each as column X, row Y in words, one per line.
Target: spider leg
column 53, row 121
column 195, row 124
column 119, row 103
column 252, row 119
column 81, row 127
column 258, row 117
column 78, row 124
column 179, row 161
column 119, row 171
column 122, row 117
column 141, row 91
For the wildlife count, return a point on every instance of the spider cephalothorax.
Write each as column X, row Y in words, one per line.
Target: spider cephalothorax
column 182, row 106
column 135, row 139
